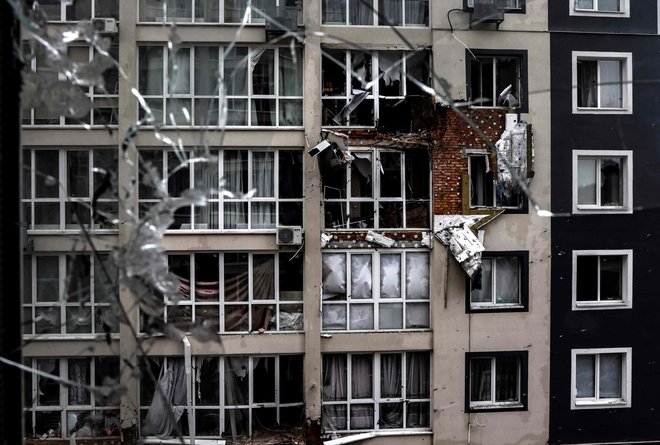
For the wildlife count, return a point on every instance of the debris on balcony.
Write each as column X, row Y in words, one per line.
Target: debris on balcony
column 514, row 162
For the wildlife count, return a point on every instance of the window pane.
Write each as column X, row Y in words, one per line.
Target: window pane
column 47, row 278
column 587, row 83
column 587, row 181
column 79, row 372
column 587, row 276
column 390, row 375
column 611, row 277
column 390, row 12
column 51, row 8
column 334, row 377
column 263, row 71
column 290, row 113
column 611, row 87
column 151, row 70
column 179, row 72
column 481, row 288
column 362, row 316
column 47, row 173
column 263, row 380
column 206, row 69
column 234, row 10
column 237, row 381
column 263, row 166
column 179, row 10
column 263, row 277
column 79, row 10
column 235, row 71
column 390, row 276
column 46, row 215
column 334, row 316
column 417, row 316
column 264, row 112
column 418, row 372
column 391, row 316
column 482, row 81
column 608, row 5
column 361, row 66
column 362, row 416
column 585, row 375
column 610, row 377
column 334, row 12
column 585, row 4
column 236, row 276
column 151, row 11
column 291, row 378
column 417, row 275
column 290, row 174
column 417, row 12
column 508, row 73
column 360, row 12
column 334, row 73
column 207, row 11
column 48, row 390
column 360, row 276
column 506, row 379
column 611, row 187
column 417, row 67
column 107, row 8
column 78, row 173
column 78, row 278
column 507, row 288
column 390, row 174
column 361, row 376
column 480, row 369
column 290, row 72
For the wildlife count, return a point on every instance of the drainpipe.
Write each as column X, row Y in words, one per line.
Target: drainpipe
column 187, row 360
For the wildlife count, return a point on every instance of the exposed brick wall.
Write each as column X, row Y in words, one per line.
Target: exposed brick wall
column 449, row 160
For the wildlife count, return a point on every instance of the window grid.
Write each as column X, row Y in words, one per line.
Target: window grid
column 95, row 407
column 602, row 188
column 52, row 304
column 346, row 59
column 493, row 385
column 224, row 408
column 487, row 95
column 494, row 286
column 621, row 379
column 602, row 300
column 411, row 308
column 377, row 400
column 258, row 210
column 173, row 108
column 230, row 304
column 373, row 14
column 56, row 10
column 597, row 87
column 206, row 11
column 49, row 188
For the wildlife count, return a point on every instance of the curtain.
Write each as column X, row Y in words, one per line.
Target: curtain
column 360, row 12
column 506, row 379
column 480, row 379
column 417, row 12
column 334, row 389
column 507, row 280
column 168, row 404
column 391, row 69
column 334, row 11
column 587, row 86
column 79, row 373
column 360, row 276
column 418, row 384
column 334, row 275
column 263, row 169
column 391, row 414
column 390, row 12
column 417, row 275
column 235, row 176
column 361, row 376
column 237, row 389
column 390, row 276
column 206, row 11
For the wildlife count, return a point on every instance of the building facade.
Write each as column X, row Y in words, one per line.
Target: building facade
column 362, row 322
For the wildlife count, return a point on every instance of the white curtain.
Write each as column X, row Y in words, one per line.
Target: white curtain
column 392, row 11
column 334, row 389
column 390, row 276
column 507, row 288
column 235, row 171
column 334, row 275
column 360, row 12
column 168, row 404
column 263, row 168
column 418, row 386
column 391, row 68
column 417, row 275
column 361, row 380
column 417, row 12
column 361, row 276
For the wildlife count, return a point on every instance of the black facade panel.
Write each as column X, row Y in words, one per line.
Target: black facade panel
column 637, row 328
column 643, row 19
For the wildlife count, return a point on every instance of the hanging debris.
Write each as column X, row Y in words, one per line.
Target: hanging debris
column 454, row 231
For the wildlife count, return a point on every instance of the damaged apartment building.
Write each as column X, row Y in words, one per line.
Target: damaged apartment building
column 372, row 270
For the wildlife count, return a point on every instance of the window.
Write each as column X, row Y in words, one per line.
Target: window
column 491, row 72
column 69, row 294
column 600, row 8
column 378, row 189
column 601, row 378
column 602, row 279
column 63, row 10
column 496, row 381
column 602, row 83
column 54, row 408
column 376, row 391
column 233, row 396
column 59, row 189
column 380, row 12
column 236, row 292
column 210, row 11
column 375, row 291
column 507, row 5
column 352, row 98
column 260, row 86
column 502, row 283
column 274, row 175
column 104, row 100
column 484, row 192
column 602, row 181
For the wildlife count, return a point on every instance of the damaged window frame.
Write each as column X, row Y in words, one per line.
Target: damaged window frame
column 492, row 202
column 625, row 272
column 66, row 298
column 352, row 17
column 67, row 7
column 595, row 11
column 511, row 7
column 377, row 400
column 494, row 383
column 246, row 286
column 102, row 100
column 374, row 98
column 283, row 203
column 519, row 90
column 625, row 181
column 522, row 303
column 247, row 113
column 222, row 408
column 34, row 390
column 625, row 81
column 374, row 194
column 597, row 401
column 378, row 302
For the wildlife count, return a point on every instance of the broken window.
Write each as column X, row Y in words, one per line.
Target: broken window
column 601, row 377
column 275, row 175
column 497, row 380
column 602, row 82
column 375, row 290
column 350, row 98
column 105, row 100
column 490, row 74
column 484, row 192
column 236, row 292
column 70, row 201
column 381, row 12
column 376, row 391
column 392, row 192
column 602, row 180
column 263, row 86
column 69, row 294
column 602, row 278
column 502, row 282
column 55, row 410
column 233, row 396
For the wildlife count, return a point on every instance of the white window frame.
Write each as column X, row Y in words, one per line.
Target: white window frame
column 31, row 382
column 376, row 399
column 63, row 4
column 623, row 12
column 375, row 21
column 492, row 403
column 603, row 403
column 625, row 58
column 626, row 181
column 255, row 19
column 376, row 301
column 626, row 276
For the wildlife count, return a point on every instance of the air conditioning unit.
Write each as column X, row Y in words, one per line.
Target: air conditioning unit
column 105, row 25
column 488, row 11
column 289, row 235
